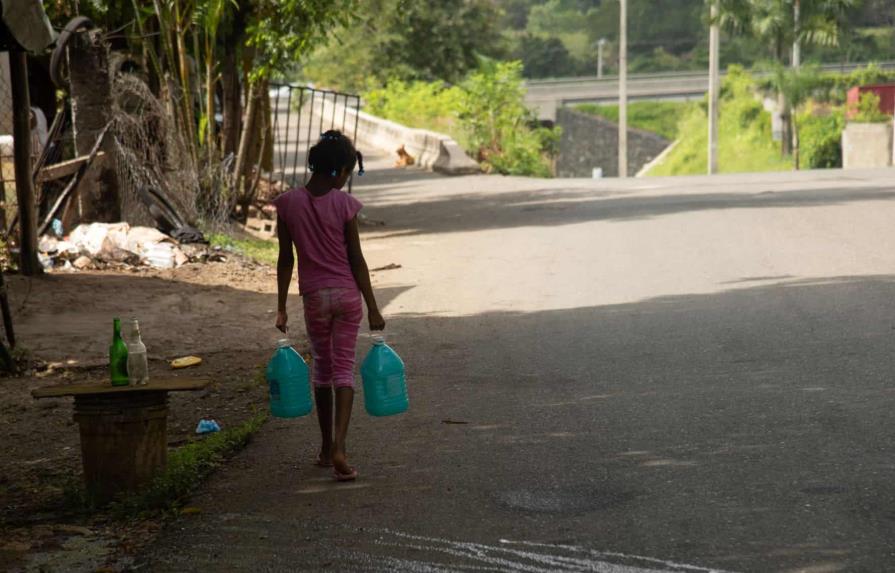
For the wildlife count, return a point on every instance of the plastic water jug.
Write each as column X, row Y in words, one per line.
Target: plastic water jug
column 385, row 391
column 288, row 382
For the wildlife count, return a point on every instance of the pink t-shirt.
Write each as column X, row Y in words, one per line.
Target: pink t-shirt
column 317, row 228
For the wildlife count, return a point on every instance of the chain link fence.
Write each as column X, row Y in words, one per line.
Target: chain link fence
column 7, row 170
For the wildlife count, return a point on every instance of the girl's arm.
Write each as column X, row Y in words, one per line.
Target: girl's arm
column 285, row 264
column 362, row 275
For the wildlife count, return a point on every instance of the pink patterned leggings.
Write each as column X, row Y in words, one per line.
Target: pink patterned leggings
column 332, row 319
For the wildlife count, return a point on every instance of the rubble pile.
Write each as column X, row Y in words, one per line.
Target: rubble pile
column 118, row 245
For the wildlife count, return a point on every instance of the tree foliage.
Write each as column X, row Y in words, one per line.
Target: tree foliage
column 407, row 40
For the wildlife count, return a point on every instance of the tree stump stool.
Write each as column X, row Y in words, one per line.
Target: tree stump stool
column 124, row 437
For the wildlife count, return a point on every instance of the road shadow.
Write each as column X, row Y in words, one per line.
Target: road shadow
column 744, row 430
column 410, row 213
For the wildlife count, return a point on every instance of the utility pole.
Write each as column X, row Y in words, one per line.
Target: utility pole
column 796, row 43
column 623, row 90
column 714, row 88
column 600, row 45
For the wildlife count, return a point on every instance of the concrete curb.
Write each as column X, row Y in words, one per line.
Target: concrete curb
column 644, row 171
column 434, row 151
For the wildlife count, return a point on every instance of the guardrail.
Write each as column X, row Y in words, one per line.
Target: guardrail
column 844, row 68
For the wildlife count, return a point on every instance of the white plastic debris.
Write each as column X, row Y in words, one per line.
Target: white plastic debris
column 98, row 237
column 114, row 242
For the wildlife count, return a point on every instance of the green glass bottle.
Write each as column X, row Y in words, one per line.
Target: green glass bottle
column 118, row 356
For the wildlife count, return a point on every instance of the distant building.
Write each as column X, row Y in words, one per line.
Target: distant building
column 885, row 92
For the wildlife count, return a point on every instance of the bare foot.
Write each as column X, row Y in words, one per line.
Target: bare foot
column 325, row 457
column 340, row 463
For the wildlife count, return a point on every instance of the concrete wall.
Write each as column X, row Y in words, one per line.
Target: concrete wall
column 434, row 151
column 867, row 145
column 589, row 142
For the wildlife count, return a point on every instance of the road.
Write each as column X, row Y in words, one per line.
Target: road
column 684, row 374
column 546, row 95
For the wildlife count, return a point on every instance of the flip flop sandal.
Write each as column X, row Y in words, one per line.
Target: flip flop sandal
column 321, row 464
column 351, row 476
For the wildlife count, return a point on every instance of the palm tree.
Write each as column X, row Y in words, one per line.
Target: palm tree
column 784, row 26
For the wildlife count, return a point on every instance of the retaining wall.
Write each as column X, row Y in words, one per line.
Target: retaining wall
column 590, row 142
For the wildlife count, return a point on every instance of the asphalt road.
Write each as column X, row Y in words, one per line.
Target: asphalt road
column 651, row 375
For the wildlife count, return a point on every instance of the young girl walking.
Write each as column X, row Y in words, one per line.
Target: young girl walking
column 321, row 222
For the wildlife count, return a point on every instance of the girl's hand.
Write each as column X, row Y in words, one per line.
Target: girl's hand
column 376, row 320
column 282, row 319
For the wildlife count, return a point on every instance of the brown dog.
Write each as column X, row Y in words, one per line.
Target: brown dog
column 404, row 158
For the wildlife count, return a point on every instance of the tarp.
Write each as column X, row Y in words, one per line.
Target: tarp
column 28, row 24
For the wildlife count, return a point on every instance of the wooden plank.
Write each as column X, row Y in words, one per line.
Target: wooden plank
column 154, row 385
column 66, row 168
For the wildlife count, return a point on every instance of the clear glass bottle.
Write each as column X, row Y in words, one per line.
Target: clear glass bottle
column 137, row 362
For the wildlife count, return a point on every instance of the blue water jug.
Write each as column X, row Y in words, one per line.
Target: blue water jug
column 288, row 382
column 385, row 391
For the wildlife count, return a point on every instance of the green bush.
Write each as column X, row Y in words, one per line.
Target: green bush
column 833, row 87
column 486, row 115
column 820, row 139
column 425, row 105
column 744, row 134
column 867, row 110
column 499, row 127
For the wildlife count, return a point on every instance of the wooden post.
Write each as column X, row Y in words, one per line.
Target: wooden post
column 21, row 104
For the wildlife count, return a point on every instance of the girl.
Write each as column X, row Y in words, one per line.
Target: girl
column 321, row 221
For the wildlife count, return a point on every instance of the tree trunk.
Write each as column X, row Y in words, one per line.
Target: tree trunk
column 795, row 142
column 232, row 102
column 247, row 143
column 91, row 96
column 785, row 125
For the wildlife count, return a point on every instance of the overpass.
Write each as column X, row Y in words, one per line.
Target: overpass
column 547, row 95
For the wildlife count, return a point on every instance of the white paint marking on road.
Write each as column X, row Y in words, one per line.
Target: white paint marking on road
column 683, row 567
column 533, row 558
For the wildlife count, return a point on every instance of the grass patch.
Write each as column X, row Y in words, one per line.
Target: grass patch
column 187, row 467
column 260, row 250
column 660, row 117
column 744, row 135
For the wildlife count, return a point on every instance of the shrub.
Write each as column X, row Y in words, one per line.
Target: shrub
column 425, row 105
column 867, row 110
column 486, row 115
column 500, row 129
column 820, row 138
column 744, row 142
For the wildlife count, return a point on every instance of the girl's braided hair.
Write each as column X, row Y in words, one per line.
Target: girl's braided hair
column 333, row 153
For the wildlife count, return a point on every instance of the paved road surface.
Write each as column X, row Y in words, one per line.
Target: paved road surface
column 651, row 375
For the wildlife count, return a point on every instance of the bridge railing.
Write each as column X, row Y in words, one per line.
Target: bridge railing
column 299, row 115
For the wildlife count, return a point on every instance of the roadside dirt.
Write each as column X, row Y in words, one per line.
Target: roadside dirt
column 222, row 312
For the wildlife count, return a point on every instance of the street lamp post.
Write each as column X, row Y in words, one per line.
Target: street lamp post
column 623, row 90
column 600, row 45
column 714, row 88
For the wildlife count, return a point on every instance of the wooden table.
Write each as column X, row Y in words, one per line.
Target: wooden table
column 124, row 436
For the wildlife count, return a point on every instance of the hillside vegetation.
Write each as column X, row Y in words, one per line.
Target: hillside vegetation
column 744, row 135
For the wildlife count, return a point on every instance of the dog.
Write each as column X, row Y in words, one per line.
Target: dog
column 404, row 158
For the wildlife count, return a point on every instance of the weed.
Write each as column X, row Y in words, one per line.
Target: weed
column 187, row 467
column 260, row 250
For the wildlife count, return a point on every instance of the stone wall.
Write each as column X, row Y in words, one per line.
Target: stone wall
column 867, row 145
column 589, row 142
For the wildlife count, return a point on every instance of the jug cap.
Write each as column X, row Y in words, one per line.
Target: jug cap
column 378, row 339
column 284, row 343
